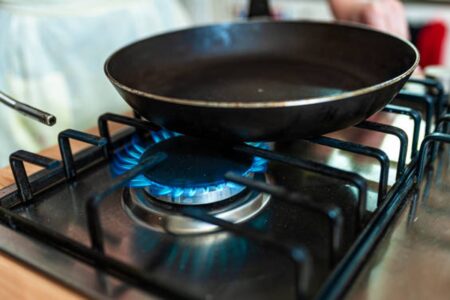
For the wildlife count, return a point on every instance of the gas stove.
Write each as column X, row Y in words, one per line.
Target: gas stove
column 146, row 212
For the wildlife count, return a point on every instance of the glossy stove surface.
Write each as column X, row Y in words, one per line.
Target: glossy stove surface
column 143, row 226
column 215, row 263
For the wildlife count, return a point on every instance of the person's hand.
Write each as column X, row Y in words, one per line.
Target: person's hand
column 385, row 15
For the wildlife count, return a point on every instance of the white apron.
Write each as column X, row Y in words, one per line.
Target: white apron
column 52, row 56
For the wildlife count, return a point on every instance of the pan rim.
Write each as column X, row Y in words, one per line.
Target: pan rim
column 274, row 103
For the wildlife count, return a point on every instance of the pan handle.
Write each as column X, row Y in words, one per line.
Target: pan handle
column 259, row 8
column 27, row 110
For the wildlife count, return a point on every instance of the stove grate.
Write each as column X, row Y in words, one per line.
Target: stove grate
column 346, row 265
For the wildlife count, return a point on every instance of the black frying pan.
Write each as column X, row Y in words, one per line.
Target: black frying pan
column 262, row 80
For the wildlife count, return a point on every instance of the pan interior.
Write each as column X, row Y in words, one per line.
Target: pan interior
column 257, row 79
column 261, row 62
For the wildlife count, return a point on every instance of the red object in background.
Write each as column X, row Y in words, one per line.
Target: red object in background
column 430, row 43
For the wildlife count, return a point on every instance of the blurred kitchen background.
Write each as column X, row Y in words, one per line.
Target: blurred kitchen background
column 429, row 20
column 52, row 52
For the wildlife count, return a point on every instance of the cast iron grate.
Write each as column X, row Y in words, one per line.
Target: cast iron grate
column 344, row 265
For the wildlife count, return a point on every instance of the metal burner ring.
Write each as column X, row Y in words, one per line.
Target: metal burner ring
column 208, row 197
column 163, row 217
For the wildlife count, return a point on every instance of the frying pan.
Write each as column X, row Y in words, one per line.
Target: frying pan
column 262, row 80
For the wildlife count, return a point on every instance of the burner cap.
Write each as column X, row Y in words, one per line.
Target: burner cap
column 193, row 162
column 165, row 217
column 194, row 169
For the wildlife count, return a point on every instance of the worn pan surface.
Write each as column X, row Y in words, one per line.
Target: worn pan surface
column 262, row 80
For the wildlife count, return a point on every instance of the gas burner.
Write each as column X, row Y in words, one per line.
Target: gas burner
column 192, row 174
column 164, row 217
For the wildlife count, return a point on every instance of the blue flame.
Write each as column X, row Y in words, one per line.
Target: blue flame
column 130, row 156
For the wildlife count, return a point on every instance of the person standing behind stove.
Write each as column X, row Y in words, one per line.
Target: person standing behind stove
column 385, row 15
column 52, row 55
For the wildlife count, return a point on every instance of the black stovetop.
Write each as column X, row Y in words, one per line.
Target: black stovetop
column 300, row 226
